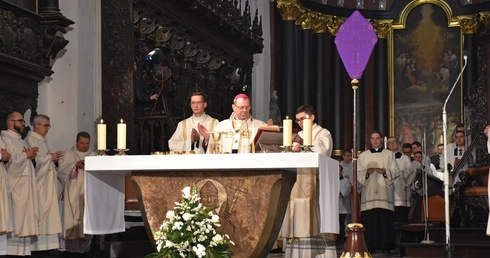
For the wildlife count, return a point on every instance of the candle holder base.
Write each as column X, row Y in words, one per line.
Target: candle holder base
column 287, row 149
column 102, row 153
column 121, row 152
column 307, row 148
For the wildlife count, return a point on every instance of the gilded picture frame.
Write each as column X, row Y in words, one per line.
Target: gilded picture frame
column 425, row 60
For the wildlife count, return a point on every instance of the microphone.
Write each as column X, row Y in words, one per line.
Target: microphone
column 465, row 57
column 446, row 168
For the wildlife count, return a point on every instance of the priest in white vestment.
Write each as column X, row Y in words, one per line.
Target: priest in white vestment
column 237, row 133
column 22, row 186
column 46, row 179
column 191, row 132
column 301, row 226
column 5, row 214
column 72, row 174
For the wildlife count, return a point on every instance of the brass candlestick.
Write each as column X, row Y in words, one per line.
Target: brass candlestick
column 307, row 148
column 288, row 149
column 102, row 153
column 121, row 152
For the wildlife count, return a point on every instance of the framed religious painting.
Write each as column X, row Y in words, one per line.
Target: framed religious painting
column 425, row 61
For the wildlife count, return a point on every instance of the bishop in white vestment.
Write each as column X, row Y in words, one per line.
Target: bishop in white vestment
column 237, row 133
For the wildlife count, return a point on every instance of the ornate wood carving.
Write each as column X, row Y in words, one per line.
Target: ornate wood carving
column 476, row 107
column 199, row 44
column 29, row 42
column 117, row 67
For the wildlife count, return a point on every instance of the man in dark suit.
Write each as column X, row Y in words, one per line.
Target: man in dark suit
column 436, row 159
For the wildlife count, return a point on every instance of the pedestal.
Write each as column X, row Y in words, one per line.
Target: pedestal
column 251, row 204
column 355, row 245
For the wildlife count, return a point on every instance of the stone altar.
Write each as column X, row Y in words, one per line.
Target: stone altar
column 253, row 191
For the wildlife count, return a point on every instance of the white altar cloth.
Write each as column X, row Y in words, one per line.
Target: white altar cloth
column 104, row 181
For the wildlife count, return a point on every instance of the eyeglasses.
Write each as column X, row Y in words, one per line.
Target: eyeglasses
column 19, row 120
column 48, row 126
column 242, row 107
column 300, row 120
column 197, row 102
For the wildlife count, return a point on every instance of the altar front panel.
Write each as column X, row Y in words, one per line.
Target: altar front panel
column 251, row 204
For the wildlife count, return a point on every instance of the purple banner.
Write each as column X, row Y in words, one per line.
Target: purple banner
column 355, row 42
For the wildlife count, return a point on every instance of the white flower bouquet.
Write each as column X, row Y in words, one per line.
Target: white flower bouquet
column 190, row 231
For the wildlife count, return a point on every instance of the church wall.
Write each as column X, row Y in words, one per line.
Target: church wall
column 71, row 96
column 261, row 73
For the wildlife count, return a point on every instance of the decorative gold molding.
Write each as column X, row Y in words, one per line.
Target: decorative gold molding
column 334, row 23
column 484, row 17
column 288, row 9
column 310, row 21
column 382, row 27
column 337, row 153
column 301, row 17
column 356, row 255
column 320, row 23
column 451, row 21
column 469, row 23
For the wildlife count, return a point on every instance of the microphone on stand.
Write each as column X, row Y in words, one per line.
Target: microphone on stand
column 446, row 171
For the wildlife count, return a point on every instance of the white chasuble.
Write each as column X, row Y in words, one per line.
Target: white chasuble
column 46, row 174
column 21, row 179
column 73, row 203
column 47, row 193
column 236, row 136
column 5, row 214
column 181, row 139
column 22, row 186
column 321, row 140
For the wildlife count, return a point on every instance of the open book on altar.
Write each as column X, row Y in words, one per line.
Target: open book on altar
column 269, row 139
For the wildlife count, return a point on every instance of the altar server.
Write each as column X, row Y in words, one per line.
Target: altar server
column 376, row 172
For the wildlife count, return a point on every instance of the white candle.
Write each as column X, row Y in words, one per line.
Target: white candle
column 121, row 136
column 441, row 139
column 101, row 135
column 386, row 142
column 307, row 125
column 287, row 132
